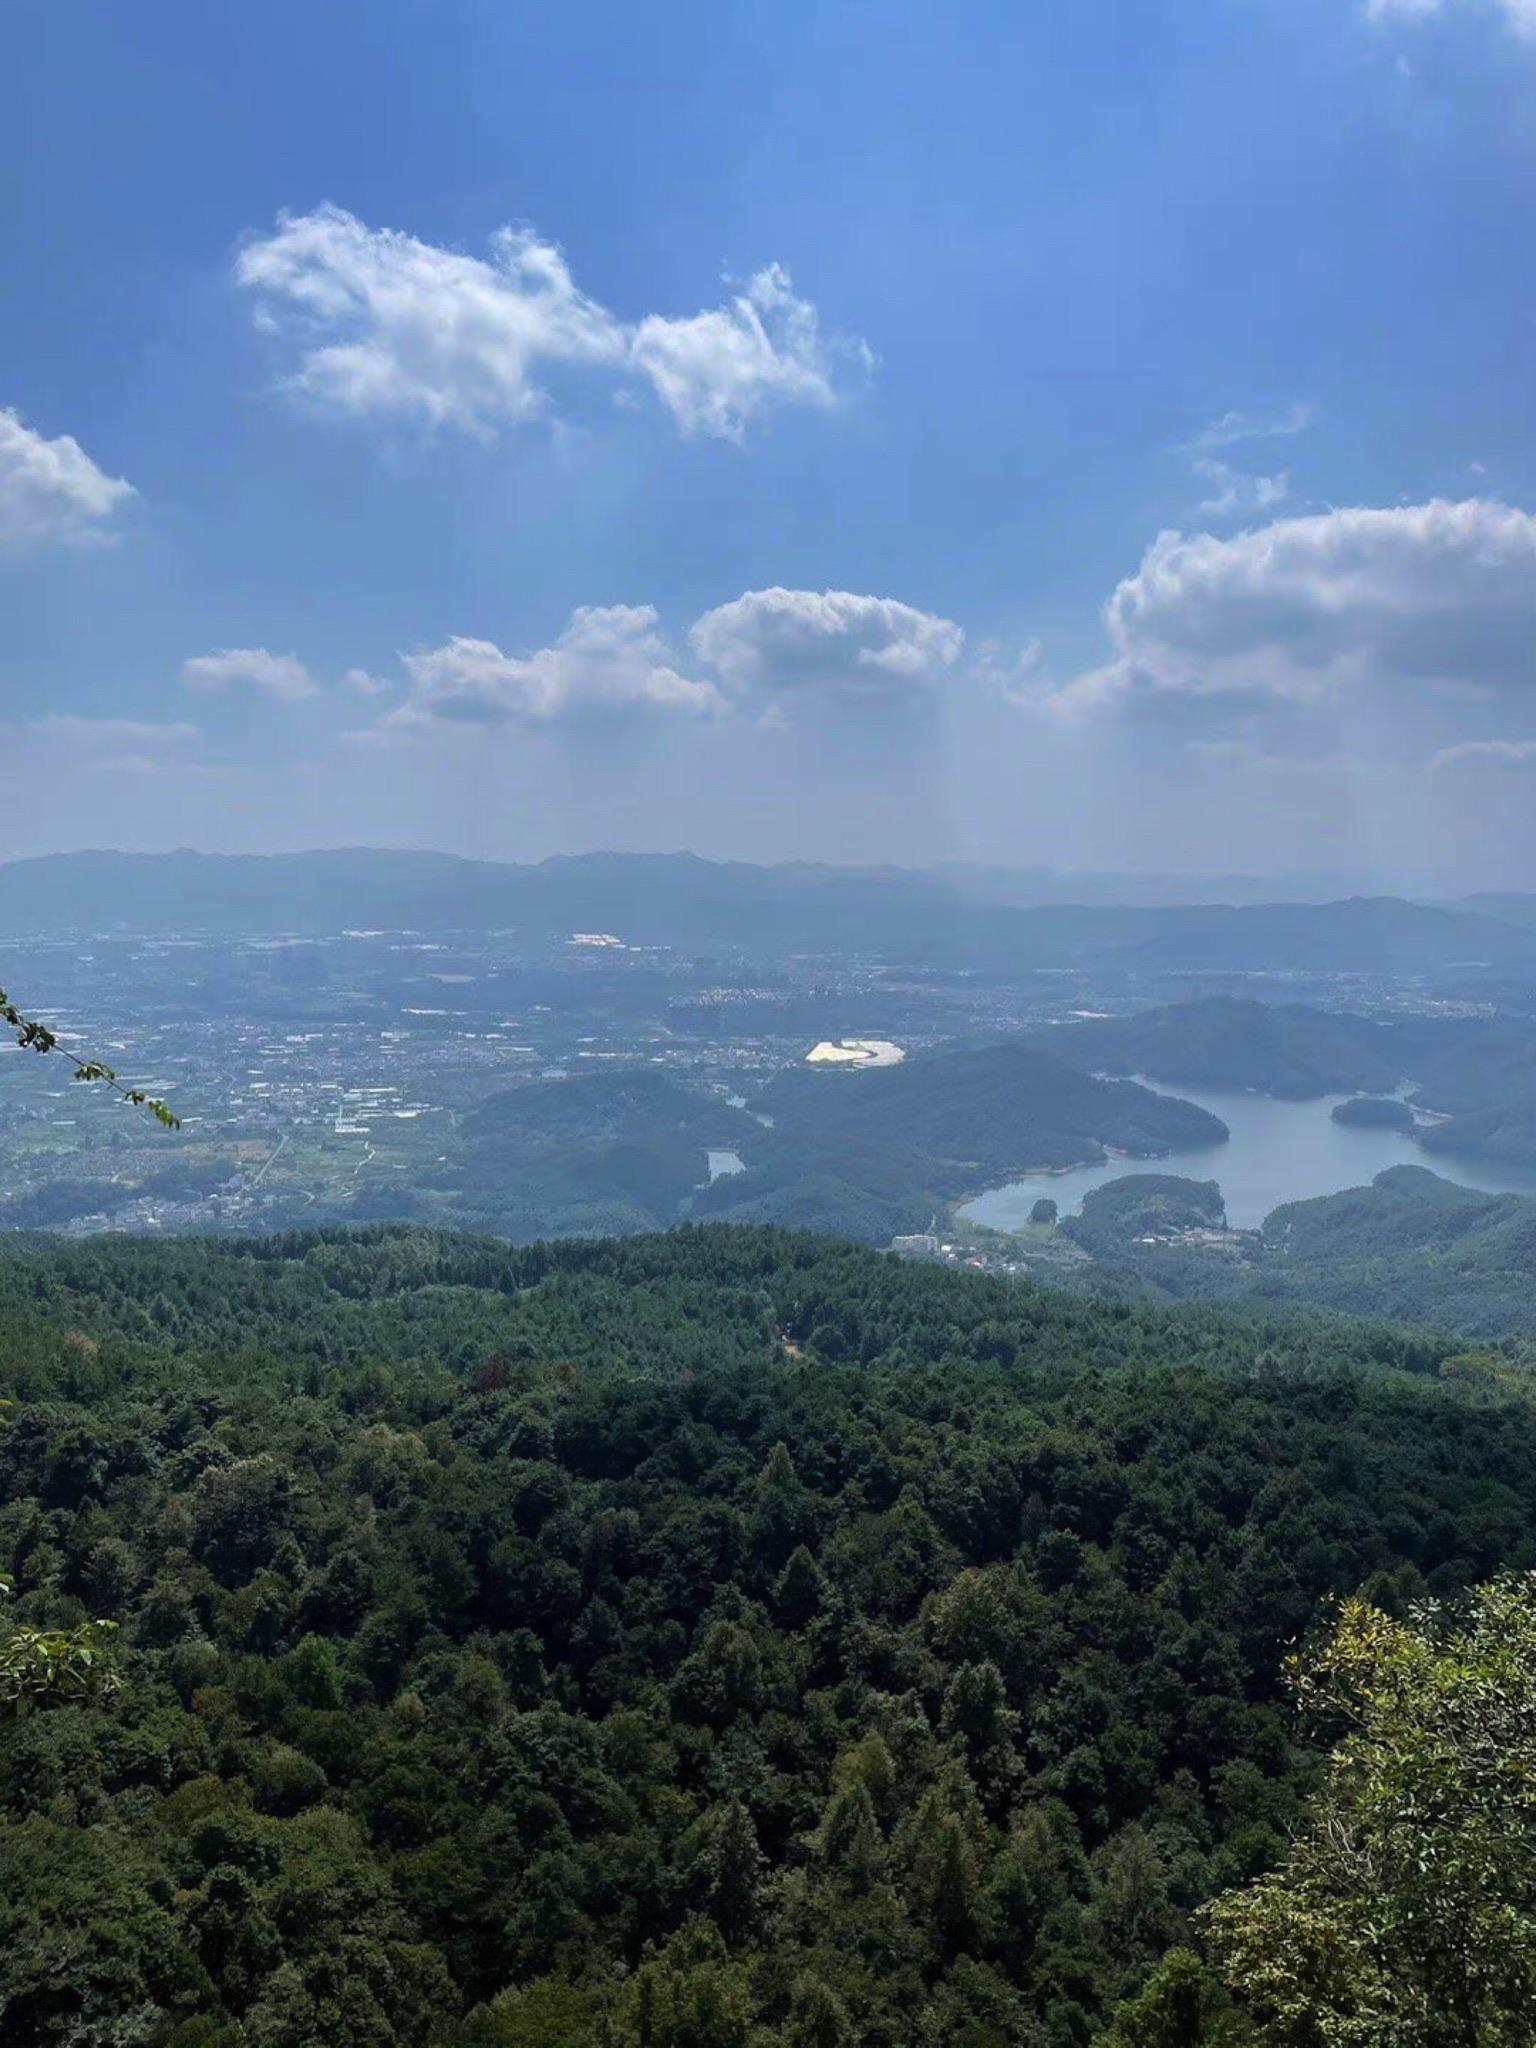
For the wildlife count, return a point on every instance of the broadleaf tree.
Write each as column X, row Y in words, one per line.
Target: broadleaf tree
column 1405, row 1915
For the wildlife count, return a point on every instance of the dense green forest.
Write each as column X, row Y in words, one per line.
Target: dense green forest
column 1410, row 1246
column 1504, row 1130
column 725, row 1638
column 1375, row 1113
column 867, row 1155
column 1282, row 1049
column 588, row 1154
column 981, row 1112
column 1113, row 1217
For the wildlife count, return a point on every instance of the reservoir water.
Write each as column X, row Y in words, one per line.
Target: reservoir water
column 1278, row 1152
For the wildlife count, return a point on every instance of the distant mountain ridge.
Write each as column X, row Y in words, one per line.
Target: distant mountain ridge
column 949, row 917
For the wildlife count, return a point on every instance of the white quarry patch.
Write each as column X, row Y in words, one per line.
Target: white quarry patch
column 855, row 1052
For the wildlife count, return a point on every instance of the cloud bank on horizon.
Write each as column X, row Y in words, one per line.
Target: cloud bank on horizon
column 760, row 652
column 1434, row 602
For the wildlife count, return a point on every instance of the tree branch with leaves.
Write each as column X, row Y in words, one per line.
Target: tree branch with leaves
column 34, row 1036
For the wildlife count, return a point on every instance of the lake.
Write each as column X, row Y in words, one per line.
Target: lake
column 1278, row 1152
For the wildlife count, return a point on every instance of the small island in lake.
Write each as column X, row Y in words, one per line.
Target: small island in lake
column 1375, row 1113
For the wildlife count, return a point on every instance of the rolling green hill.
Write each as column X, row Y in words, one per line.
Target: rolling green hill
column 980, row 1113
column 1503, row 1131
column 639, row 1104
column 1282, row 1049
column 1411, row 1246
column 608, row 1151
column 1375, row 1113
column 863, row 1155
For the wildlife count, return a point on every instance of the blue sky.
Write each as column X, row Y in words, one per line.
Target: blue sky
column 522, row 429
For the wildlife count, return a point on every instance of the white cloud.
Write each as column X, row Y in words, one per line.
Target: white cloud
column 51, row 490
column 1232, row 489
column 279, row 676
column 609, row 657
column 1519, row 14
column 392, row 326
column 769, row 641
column 1235, row 427
column 1435, row 596
column 714, row 372
column 361, row 684
column 617, row 657
column 399, row 326
column 1487, row 754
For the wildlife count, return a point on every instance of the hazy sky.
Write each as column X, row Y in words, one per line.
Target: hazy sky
column 1102, row 433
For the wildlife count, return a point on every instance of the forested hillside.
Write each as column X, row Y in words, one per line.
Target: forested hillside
column 1284, row 1049
column 726, row 1638
column 588, row 1154
column 1411, row 1246
column 861, row 1155
column 986, row 1110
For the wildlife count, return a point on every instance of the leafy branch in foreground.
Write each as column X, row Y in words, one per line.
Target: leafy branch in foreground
column 56, row 1667
column 52, row 1667
column 34, row 1036
column 1406, row 1914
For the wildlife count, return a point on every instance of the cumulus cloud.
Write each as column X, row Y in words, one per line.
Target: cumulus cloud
column 748, row 655
column 391, row 326
column 713, row 372
column 1434, row 596
column 791, row 641
column 396, row 325
column 282, row 677
column 51, row 490
column 610, row 657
